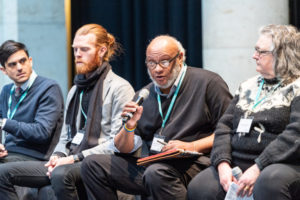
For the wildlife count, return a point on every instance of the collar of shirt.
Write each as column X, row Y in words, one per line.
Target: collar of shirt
column 157, row 90
column 29, row 81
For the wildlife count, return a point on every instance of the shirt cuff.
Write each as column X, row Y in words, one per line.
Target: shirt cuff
column 137, row 144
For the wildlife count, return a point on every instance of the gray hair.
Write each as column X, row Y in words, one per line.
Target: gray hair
column 180, row 48
column 285, row 49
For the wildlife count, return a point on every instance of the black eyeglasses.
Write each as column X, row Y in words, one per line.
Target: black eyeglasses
column 163, row 63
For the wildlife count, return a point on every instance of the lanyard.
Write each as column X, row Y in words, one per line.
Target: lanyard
column 173, row 100
column 81, row 106
column 10, row 114
column 257, row 101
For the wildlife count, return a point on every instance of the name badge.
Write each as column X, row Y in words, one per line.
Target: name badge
column 158, row 143
column 78, row 138
column 244, row 125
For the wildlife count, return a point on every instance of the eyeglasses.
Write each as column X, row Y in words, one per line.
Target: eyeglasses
column 262, row 52
column 163, row 63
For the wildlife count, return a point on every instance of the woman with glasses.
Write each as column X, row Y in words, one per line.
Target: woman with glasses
column 260, row 131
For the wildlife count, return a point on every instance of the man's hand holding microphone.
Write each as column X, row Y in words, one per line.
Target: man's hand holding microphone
column 132, row 112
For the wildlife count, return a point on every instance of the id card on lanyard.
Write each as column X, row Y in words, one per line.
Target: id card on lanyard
column 80, row 134
column 156, row 145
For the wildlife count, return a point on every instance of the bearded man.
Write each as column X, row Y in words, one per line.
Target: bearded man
column 92, row 118
column 182, row 110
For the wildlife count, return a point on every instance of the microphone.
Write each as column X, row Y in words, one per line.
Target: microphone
column 237, row 172
column 233, row 188
column 143, row 95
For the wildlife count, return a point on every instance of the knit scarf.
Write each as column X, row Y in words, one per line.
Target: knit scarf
column 94, row 115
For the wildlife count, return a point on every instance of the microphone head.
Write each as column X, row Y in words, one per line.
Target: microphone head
column 144, row 93
column 237, row 172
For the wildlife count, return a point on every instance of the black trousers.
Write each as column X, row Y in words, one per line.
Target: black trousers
column 104, row 174
column 15, row 157
column 276, row 182
column 65, row 180
column 21, row 192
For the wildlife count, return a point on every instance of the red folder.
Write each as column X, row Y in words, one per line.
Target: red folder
column 171, row 154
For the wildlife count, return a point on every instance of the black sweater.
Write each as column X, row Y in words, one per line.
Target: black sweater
column 201, row 101
column 280, row 116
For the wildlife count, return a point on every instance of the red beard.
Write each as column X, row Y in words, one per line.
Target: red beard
column 85, row 68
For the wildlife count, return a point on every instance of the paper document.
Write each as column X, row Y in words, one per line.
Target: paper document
column 232, row 193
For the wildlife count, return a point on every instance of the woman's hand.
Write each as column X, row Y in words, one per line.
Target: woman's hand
column 247, row 180
column 225, row 175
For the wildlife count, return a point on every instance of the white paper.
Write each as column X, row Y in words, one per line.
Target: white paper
column 232, row 193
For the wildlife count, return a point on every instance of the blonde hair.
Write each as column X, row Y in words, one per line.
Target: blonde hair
column 102, row 38
column 286, row 50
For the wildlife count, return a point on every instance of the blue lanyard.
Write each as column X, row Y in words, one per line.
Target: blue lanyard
column 257, row 101
column 10, row 114
column 81, row 107
column 172, row 102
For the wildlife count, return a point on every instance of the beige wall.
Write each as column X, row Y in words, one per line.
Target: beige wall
column 230, row 31
column 40, row 24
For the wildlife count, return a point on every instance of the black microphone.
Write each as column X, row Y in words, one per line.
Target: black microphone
column 142, row 96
